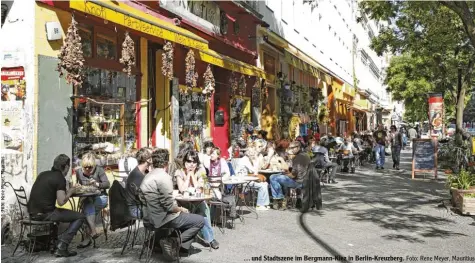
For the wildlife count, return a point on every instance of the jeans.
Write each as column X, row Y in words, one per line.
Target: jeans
column 94, row 204
column 380, row 155
column 279, row 180
column 207, row 230
column 135, row 211
column 189, row 226
column 396, row 154
column 63, row 216
column 262, row 193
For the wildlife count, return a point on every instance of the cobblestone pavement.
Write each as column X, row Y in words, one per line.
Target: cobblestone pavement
column 370, row 213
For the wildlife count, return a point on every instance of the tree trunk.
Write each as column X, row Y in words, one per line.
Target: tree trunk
column 464, row 84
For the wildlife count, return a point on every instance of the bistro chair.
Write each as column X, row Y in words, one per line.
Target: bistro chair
column 134, row 227
column 151, row 233
column 31, row 225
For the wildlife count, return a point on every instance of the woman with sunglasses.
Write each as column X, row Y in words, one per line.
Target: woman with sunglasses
column 192, row 176
column 91, row 174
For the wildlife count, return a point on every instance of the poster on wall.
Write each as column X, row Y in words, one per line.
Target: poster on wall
column 13, row 84
column 436, row 113
column 12, row 127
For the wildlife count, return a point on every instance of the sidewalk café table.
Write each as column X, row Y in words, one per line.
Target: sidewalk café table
column 82, row 197
column 194, row 202
column 247, row 186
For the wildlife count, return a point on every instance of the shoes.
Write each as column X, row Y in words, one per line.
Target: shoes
column 214, row 244
column 377, row 167
column 382, row 168
column 284, row 204
column 261, row 208
column 169, row 247
column 333, row 181
column 85, row 245
column 275, row 204
column 62, row 251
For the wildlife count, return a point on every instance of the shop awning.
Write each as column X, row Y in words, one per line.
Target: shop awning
column 127, row 16
column 232, row 64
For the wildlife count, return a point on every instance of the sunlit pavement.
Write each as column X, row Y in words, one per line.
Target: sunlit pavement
column 369, row 213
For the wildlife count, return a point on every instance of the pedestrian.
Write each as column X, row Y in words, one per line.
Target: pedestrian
column 380, row 137
column 412, row 134
column 396, row 144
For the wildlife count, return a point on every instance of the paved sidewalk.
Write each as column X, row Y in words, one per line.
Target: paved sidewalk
column 374, row 213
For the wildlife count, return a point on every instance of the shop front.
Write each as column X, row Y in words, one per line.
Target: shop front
column 344, row 117
column 360, row 110
column 120, row 101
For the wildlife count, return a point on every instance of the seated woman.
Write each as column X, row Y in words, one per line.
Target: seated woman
column 192, row 176
column 348, row 151
column 249, row 165
column 219, row 171
column 91, row 174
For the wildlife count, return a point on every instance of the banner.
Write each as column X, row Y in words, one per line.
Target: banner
column 436, row 114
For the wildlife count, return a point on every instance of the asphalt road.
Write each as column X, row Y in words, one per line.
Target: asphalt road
column 370, row 216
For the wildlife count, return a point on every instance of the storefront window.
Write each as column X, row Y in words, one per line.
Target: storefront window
column 104, row 116
column 106, row 47
column 86, row 41
column 193, row 116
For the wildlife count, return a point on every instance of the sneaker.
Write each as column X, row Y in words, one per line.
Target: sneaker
column 261, row 208
column 214, row 244
column 169, row 247
column 377, row 167
column 382, row 168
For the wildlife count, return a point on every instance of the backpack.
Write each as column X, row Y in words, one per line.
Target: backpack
column 119, row 210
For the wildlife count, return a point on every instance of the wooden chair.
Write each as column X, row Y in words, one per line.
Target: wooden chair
column 32, row 225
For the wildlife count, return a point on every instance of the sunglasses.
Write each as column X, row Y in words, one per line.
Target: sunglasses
column 191, row 161
column 88, row 167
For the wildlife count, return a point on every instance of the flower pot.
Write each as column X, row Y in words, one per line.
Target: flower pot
column 448, row 171
column 465, row 204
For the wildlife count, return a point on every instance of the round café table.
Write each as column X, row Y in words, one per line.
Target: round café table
column 247, row 186
column 79, row 208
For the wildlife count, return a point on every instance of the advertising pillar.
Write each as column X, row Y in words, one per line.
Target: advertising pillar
column 436, row 114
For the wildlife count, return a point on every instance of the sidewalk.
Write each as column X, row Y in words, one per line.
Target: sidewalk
column 382, row 213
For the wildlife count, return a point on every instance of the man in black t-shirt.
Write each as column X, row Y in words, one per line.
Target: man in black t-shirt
column 381, row 137
column 49, row 188
column 135, row 178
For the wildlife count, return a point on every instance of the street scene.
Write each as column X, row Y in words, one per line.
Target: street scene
column 237, row 131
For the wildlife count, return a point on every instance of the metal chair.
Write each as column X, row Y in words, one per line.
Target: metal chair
column 134, row 226
column 26, row 222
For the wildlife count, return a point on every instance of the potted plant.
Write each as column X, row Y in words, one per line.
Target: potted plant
column 462, row 189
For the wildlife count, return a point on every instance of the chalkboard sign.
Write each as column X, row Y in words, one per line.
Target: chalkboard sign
column 193, row 113
column 424, row 156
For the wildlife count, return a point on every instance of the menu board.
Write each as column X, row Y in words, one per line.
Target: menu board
column 193, row 113
column 424, row 156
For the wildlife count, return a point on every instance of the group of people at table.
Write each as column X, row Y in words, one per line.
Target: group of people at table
column 159, row 180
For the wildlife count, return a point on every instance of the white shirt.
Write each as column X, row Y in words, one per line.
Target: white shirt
column 131, row 164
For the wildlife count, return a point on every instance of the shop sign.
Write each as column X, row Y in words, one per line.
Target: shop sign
column 231, row 64
column 137, row 22
column 13, row 73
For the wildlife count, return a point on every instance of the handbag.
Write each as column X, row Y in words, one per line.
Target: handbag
column 387, row 151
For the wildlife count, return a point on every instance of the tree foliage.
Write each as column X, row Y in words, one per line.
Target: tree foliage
column 434, row 48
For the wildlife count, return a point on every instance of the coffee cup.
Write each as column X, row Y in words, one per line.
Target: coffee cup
column 186, row 194
column 176, row 192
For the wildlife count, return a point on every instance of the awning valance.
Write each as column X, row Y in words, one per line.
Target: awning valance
column 127, row 16
column 214, row 58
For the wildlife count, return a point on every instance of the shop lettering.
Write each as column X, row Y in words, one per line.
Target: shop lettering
column 95, row 10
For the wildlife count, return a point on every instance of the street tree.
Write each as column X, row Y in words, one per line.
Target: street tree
column 435, row 38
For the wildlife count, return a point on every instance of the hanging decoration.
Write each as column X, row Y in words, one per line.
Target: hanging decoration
column 167, row 60
column 264, row 90
column 128, row 54
column 242, row 86
column 209, row 83
column 71, row 58
column 191, row 75
column 324, row 114
column 234, row 83
column 256, row 94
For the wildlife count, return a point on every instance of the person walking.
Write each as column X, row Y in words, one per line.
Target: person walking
column 412, row 134
column 380, row 137
column 396, row 144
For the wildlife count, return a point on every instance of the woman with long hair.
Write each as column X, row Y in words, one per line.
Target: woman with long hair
column 193, row 175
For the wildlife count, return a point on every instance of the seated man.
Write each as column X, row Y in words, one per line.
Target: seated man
column 348, row 150
column 162, row 209
column 135, row 178
column 49, row 188
column 292, row 179
column 320, row 151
